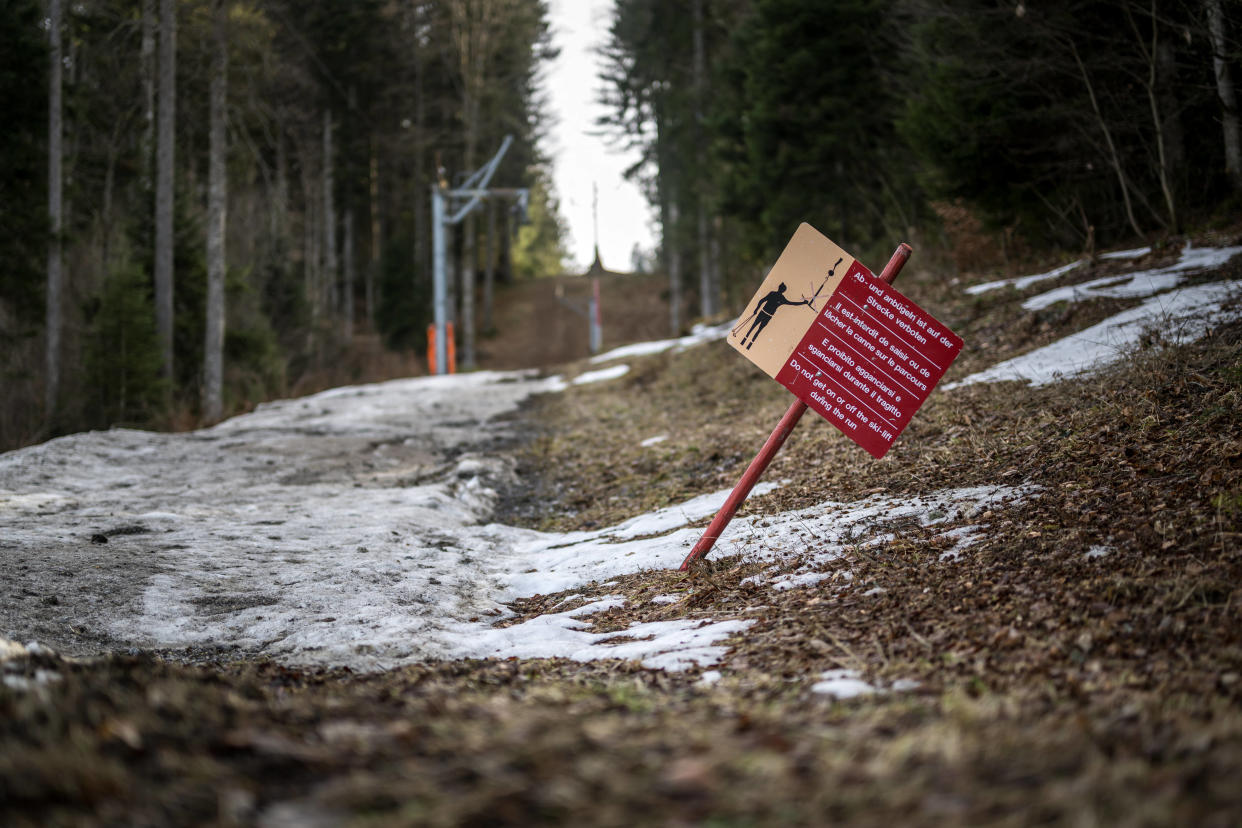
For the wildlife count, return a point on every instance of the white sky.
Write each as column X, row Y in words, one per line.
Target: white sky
column 579, row 158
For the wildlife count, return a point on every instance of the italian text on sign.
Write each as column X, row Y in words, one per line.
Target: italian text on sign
column 851, row 347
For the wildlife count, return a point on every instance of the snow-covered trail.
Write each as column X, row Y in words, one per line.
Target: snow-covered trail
column 344, row 505
column 344, row 528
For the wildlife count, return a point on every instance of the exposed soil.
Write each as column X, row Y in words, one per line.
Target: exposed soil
column 1080, row 664
column 541, row 322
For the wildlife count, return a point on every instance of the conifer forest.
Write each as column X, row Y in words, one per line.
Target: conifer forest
column 259, row 567
column 206, row 203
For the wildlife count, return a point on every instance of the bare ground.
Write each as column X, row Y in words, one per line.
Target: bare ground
column 1053, row 687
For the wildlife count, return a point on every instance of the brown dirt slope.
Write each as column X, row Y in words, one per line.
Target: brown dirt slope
column 534, row 330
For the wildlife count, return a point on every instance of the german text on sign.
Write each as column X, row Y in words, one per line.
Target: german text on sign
column 856, row 350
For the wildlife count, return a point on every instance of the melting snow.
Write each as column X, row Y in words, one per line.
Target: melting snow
column 601, row 374
column 669, row 645
column 842, row 684
column 41, row 677
column 1141, row 283
column 333, row 530
column 804, row 579
column 846, row 684
column 1126, row 254
column 698, row 335
column 1023, row 282
column 824, row 533
column 1182, row 315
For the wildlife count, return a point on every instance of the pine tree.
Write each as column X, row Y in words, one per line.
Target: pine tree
column 217, row 205
column 55, row 192
column 165, row 173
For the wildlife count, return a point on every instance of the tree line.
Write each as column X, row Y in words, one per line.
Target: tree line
column 205, row 201
column 1065, row 124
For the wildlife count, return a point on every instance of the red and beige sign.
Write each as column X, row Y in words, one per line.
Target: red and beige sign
column 850, row 346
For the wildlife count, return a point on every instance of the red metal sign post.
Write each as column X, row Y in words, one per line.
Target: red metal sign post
column 774, row 442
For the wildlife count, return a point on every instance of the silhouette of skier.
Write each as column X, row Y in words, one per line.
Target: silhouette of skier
column 766, row 308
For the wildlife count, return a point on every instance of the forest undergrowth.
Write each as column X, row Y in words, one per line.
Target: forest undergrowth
column 1080, row 663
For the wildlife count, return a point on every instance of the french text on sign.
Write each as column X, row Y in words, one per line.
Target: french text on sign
column 869, row 360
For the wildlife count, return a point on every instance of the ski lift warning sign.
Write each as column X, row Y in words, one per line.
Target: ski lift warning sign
column 846, row 343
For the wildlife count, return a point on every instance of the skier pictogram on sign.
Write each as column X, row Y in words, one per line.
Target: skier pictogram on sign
column 765, row 310
column 866, row 359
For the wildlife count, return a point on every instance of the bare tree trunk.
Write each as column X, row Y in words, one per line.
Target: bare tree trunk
column 348, row 255
column 468, row 230
column 706, row 304
column 280, row 198
column 472, row 25
column 708, row 298
column 330, row 271
column 217, row 205
column 1114, row 158
column 422, row 219
column 1225, row 92
column 147, row 57
column 468, row 265
column 506, row 249
column 1171, row 106
column 489, row 268
column 109, row 184
column 55, row 189
column 164, row 172
column 713, row 247
column 673, row 253
column 1150, row 55
column 310, row 239
column 374, row 261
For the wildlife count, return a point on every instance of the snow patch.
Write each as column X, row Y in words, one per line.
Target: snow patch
column 699, row 334
column 842, row 684
column 710, row 677
column 602, row 374
column 41, row 678
column 804, row 579
column 668, row 645
column 1023, row 282
column 651, row 441
column 846, row 684
column 754, row 580
column 1141, row 283
column 10, row 650
column 1136, row 253
column 1183, row 315
column 964, row 536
